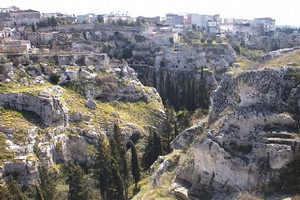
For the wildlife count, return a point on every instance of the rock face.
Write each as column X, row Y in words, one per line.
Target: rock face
column 183, row 75
column 121, row 83
column 181, row 88
column 252, row 142
column 216, row 56
column 46, row 104
column 6, row 71
column 30, row 143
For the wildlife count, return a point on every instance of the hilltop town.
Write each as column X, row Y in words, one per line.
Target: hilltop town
column 107, row 106
column 39, row 29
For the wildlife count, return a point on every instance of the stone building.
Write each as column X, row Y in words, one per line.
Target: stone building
column 9, row 9
column 7, row 45
column 263, row 26
column 209, row 23
column 4, row 20
column 174, row 19
column 24, row 17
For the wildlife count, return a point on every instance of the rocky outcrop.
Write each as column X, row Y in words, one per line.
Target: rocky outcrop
column 252, row 141
column 31, row 144
column 6, row 71
column 184, row 75
column 278, row 53
column 47, row 104
column 187, row 57
column 87, row 59
column 120, row 83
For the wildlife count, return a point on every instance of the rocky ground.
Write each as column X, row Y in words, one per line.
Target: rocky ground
column 248, row 147
column 51, row 114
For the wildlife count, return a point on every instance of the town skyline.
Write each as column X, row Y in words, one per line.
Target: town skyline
column 282, row 12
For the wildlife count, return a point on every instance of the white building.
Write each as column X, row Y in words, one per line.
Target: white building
column 263, row 26
column 9, row 9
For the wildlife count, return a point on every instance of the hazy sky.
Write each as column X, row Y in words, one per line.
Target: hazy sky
column 286, row 12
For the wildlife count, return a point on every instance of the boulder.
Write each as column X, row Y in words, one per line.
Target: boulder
column 91, row 104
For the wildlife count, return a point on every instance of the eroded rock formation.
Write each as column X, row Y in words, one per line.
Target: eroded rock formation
column 252, row 140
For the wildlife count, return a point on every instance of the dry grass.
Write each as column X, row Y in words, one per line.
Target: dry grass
column 291, row 58
column 140, row 113
column 4, row 152
column 161, row 190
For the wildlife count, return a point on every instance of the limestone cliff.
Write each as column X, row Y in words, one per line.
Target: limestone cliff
column 185, row 75
column 53, row 123
column 250, row 142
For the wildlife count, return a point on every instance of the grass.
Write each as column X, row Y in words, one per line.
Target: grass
column 13, row 87
column 161, row 190
column 293, row 73
column 139, row 112
column 20, row 120
column 291, row 58
column 4, row 152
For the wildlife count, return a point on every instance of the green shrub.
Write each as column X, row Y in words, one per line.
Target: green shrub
column 237, row 48
column 209, row 40
column 54, row 78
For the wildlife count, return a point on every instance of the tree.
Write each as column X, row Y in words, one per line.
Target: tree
column 168, row 134
column 4, row 194
column 100, row 19
column 15, row 192
column 237, row 48
column 135, row 166
column 176, row 132
column 209, row 40
column 157, row 145
column 47, row 183
column 53, row 21
column 33, row 27
column 81, row 186
column 38, row 193
column 194, row 27
column 121, row 150
column 120, row 22
column 153, row 149
column 74, row 180
column 107, row 172
column 171, row 40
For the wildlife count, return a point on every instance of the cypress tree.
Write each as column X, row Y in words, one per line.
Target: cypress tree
column 168, row 134
column 81, row 186
column 4, row 194
column 107, row 172
column 15, row 192
column 157, row 146
column 74, row 180
column 47, row 184
column 122, row 161
column 135, row 166
column 176, row 132
column 102, row 167
column 88, row 191
column 153, row 149
column 38, row 193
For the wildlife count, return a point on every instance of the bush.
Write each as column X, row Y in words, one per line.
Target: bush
column 219, row 40
column 54, row 78
column 209, row 41
column 203, row 40
column 237, row 48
